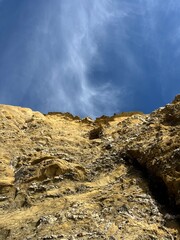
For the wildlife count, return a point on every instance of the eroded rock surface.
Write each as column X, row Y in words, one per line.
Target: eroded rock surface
column 62, row 177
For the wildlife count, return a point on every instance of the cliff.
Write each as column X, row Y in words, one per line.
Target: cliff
column 62, row 177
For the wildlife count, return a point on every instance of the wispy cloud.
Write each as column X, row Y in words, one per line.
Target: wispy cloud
column 88, row 57
column 58, row 48
column 82, row 26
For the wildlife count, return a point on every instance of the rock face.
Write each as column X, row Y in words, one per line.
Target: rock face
column 62, row 177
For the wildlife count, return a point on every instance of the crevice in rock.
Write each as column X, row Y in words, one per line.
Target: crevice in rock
column 156, row 185
column 96, row 133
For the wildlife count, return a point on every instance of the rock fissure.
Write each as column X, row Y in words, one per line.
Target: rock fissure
column 157, row 187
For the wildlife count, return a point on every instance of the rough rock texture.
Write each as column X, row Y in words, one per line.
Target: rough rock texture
column 62, row 177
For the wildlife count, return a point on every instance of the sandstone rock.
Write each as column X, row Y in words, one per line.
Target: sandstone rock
column 113, row 178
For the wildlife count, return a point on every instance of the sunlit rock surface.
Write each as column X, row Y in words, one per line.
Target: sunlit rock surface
column 62, row 177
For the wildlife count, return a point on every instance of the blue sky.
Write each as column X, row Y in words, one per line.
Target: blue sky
column 89, row 57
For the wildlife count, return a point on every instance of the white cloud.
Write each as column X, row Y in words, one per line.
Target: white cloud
column 80, row 24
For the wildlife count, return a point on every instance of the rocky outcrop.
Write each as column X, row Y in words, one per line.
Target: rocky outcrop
column 113, row 178
column 156, row 147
